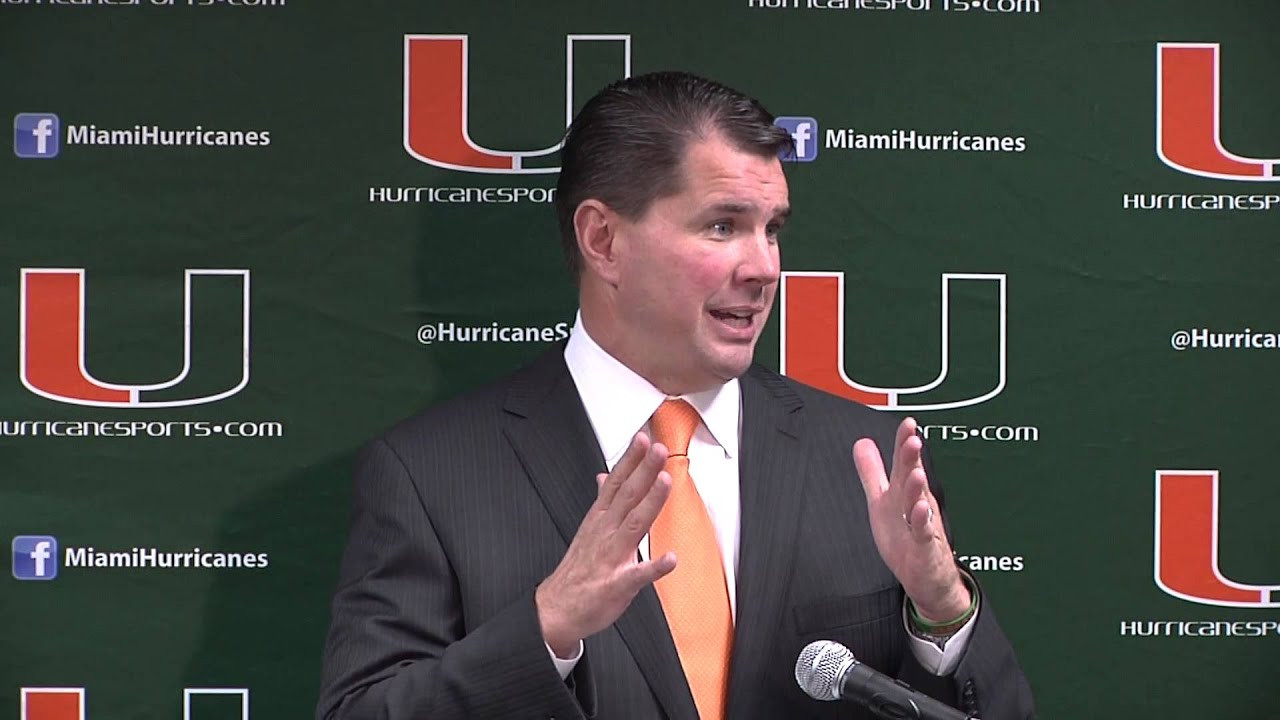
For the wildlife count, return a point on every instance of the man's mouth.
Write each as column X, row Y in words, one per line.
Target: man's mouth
column 737, row 318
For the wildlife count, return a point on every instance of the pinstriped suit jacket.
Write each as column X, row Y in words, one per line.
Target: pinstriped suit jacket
column 459, row 512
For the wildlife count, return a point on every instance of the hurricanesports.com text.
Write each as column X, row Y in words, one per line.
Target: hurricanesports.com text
column 140, row 428
column 1200, row 628
column 988, row 433
column 1183, row 201
column 1004, row 7
column 461, row 195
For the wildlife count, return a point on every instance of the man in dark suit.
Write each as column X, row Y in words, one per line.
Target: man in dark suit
column 488, row 576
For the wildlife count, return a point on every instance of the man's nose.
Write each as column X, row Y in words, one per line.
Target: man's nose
column 759, row 263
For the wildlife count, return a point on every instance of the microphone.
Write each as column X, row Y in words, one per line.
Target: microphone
column 827, row 670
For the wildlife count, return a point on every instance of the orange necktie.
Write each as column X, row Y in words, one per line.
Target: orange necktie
column 694, row 596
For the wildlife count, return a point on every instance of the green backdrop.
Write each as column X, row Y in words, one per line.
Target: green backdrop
column 1109, row 260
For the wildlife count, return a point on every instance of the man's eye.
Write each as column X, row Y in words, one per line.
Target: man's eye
column 724, row 227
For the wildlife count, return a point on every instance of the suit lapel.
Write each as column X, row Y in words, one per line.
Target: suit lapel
column 550, row 431
column 771, row 471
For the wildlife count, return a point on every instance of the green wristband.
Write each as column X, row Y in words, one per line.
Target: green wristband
column 927, row 626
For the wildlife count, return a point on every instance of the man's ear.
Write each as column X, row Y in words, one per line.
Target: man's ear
column 596, row 226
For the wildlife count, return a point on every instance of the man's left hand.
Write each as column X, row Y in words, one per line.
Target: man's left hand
column 907, row 526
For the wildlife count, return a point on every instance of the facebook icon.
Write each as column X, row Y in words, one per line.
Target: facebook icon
column 804, row 133
column 36, row 135
column 35, row 557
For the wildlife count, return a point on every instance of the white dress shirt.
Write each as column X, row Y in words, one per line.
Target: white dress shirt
column 619, row 404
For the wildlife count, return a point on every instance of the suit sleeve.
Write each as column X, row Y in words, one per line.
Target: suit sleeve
column 397, row 649
column 989, row 682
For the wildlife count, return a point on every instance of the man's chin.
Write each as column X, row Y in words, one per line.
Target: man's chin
column 733, row 366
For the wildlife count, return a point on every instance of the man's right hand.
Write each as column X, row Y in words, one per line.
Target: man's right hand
column 601, row 572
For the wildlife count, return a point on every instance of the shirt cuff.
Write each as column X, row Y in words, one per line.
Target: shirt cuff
column 939, row 660
column 564, row 667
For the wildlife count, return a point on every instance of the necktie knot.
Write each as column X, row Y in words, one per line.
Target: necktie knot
column 673, row 425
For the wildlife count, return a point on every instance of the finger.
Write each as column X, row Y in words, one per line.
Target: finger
column 911, row 457
column 906, row 449
column 870, row 467
column 914, row 489
column 915, row 456
column 921, row 517
column 641, row 574
column 902, row 470
column 630, row 459
column 637, row 485
column 599, row 506
column 906, row 429
column 640, row 519
column 914, row 484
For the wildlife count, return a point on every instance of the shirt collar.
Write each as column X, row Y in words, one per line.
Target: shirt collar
column 619, row 402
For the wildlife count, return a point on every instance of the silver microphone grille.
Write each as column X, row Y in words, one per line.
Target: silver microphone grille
column 819, row 668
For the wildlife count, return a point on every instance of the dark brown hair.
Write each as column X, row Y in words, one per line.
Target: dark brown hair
column 626, row 146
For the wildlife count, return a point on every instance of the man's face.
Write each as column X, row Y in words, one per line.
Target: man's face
column 698, row 271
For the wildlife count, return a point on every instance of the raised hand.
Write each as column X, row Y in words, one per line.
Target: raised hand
column 907, row 527
column 600, row 573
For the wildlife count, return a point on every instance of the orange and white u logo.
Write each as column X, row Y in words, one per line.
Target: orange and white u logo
column 1186, row 564
column 436, row 106
column 52, row 345
column 51, row 704
column 1188, row 116
column 812, row 345
column 66, row 703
